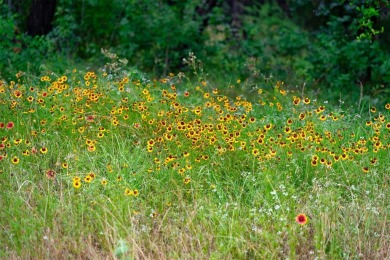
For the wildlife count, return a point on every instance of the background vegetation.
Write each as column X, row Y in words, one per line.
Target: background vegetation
column 333, row 47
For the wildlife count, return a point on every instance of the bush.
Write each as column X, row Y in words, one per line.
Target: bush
column 334, row 49
column 19, row 51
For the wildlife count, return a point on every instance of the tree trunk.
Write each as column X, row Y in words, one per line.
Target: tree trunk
column 41, row 16
column 236, row 10
column 285, row 7
column 203, row 12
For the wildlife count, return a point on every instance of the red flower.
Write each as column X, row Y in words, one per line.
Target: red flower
column 301, row 219
column 50, row 174
column 90, row 118
column 10, row 125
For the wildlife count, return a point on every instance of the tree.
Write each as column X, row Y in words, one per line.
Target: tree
column 39, row 21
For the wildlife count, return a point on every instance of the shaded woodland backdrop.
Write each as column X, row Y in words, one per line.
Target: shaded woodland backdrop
column 333, row 47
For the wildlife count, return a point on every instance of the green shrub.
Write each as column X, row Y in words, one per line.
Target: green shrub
column 334, row 49
column 19, row 51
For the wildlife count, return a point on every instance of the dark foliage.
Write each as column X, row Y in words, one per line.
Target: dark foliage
column 333, row 46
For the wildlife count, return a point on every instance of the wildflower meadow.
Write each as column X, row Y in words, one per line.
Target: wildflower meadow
column 100, row 164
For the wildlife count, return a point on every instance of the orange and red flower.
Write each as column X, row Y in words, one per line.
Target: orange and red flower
column 301, row 219
column 50, row 174
column 10, row 125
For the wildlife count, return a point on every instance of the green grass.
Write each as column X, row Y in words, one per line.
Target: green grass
column 173, row 168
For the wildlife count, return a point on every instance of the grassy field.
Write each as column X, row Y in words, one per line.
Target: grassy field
column 99, row 166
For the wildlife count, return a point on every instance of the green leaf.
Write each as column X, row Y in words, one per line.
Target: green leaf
column 121, row 248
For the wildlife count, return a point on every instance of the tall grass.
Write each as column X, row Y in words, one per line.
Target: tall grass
column 98, row 165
